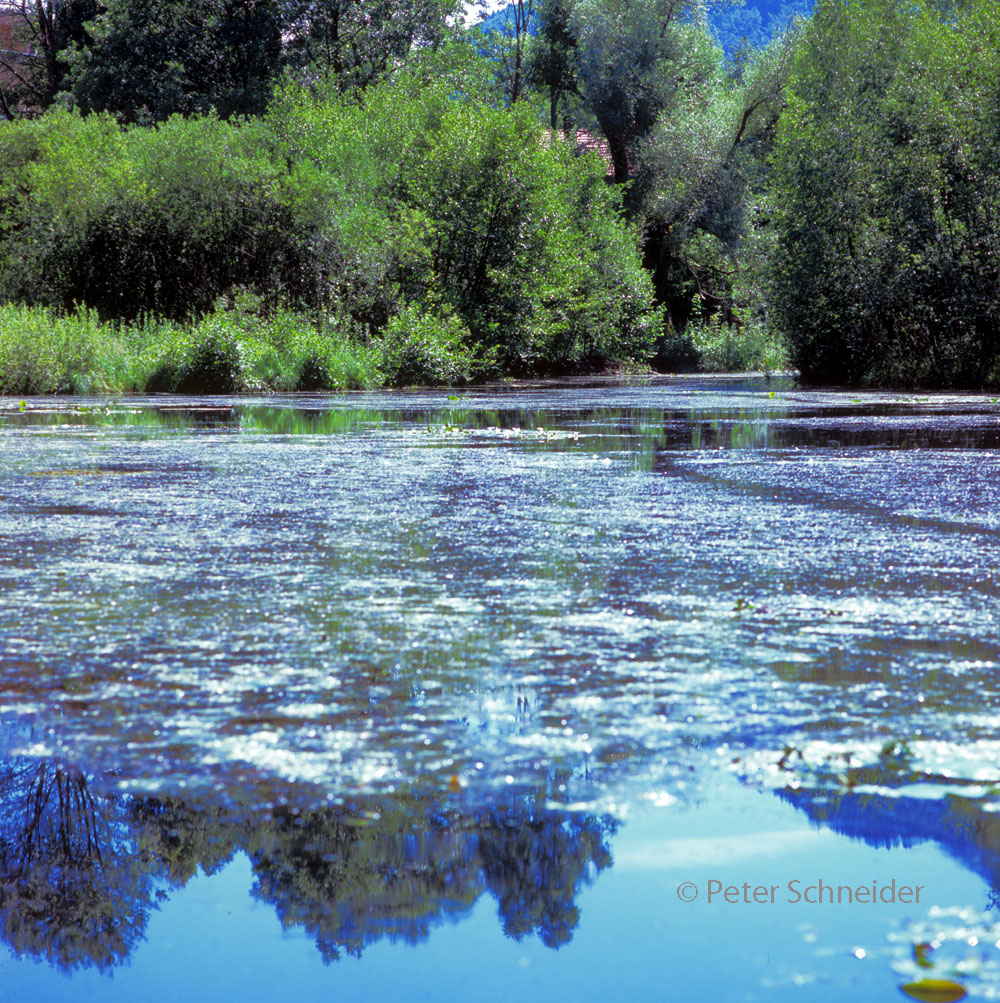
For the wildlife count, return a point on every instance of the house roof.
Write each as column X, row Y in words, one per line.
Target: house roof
column 584, row 141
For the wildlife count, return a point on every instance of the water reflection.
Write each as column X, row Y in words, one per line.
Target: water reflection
column 379, row 593
column 948, row 952
column 890, row 802
column 81, row 867
column 73, row 889
column 747, row 421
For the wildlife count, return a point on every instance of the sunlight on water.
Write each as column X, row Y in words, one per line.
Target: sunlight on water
column 613, row 596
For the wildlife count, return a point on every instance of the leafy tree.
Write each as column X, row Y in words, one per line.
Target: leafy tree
column 47, row 28
column 407, row 200
column 138, row 221
column 551, row 63
column 886, row 203
column 355, row 43
column 704, row 169
column 508, row 44
column 636, row 61
column 148, row 59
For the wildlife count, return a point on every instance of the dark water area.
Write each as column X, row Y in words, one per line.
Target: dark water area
column 680, row 689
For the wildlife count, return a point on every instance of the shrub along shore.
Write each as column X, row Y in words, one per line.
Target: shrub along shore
column 43, row 351
column 407, row 237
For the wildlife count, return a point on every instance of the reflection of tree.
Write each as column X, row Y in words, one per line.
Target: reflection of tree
column 71, row 889
column 81, row 870
column 352, row 875
column 179, row 838
column 967, row 828
column 534, row 861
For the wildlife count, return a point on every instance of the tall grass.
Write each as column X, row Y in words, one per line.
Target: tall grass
column 227, row 351
column 751, row 347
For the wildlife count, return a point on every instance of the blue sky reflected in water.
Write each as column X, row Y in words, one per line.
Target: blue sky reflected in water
column 456, row 636
column 213, row 939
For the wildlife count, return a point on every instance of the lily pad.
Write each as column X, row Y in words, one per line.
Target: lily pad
column 934, row 990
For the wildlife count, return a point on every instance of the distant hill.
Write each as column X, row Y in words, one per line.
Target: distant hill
column 499, row 19
column 756, row 22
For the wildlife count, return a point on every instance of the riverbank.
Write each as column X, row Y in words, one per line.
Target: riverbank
column 43, row 352
column 240, row 351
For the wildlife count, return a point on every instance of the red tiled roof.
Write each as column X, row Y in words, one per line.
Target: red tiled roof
column 584, row 141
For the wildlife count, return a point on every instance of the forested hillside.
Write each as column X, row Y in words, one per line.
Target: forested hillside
column 203, row 193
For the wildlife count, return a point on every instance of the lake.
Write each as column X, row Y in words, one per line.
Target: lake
column 676, row 688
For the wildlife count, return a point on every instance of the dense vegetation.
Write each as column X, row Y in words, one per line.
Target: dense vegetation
column 886, row 196
column 211, row 194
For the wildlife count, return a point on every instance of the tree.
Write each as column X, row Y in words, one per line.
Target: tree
column 509, row 45
column 703, row 169
column 635, row 61
column 355, row 43
column 886, row 201
column 32, row 71
column 551, row 61
column 148, row 59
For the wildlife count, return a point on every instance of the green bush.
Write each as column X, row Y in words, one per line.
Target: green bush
column 421, row 348
column 156, row 220
column 429, row 228
column 227, row 351
column 41, row 353
column 232, row 352
column 886, row 202
column 206, row 359
column 732, row 348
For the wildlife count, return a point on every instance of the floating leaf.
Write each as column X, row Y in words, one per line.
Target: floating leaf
column 922, row 955
column 934, row 990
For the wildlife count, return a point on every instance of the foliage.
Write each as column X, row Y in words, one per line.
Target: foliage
column 148, row 59
column 41, row 353
column 728, row 348
column 423, row 347
column 886, row 201
column 156, row 220
column 228, row 351
column 636, row 61
column 43, row 32
column 145, row 60
column 552, row 58
column 523, row 241
column 410, row 203
column 356, row 43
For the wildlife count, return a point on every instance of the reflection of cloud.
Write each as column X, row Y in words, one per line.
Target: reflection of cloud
column 670, row 854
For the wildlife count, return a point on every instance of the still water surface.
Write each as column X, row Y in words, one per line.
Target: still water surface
column 455, row 695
